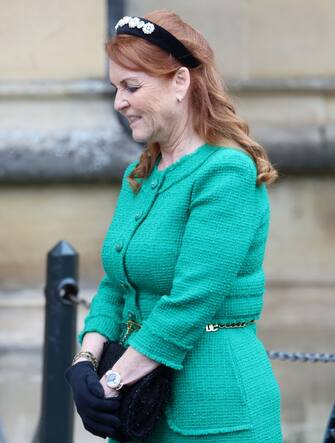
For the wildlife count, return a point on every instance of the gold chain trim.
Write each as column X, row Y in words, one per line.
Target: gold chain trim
column 131, row 326
column 213, row 327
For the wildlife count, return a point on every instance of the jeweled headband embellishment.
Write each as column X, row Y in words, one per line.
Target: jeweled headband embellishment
column 136, row 22
column 157, row 35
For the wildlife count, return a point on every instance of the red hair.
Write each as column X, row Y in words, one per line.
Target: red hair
column 214, row 116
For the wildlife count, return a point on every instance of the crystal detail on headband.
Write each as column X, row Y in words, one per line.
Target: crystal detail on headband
column 135, row 22
column 148, row 28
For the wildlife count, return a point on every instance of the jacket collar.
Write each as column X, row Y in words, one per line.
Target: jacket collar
column 183, row 167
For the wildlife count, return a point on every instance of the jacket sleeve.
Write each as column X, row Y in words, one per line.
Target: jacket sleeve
column 221, row 225
column 105, row 313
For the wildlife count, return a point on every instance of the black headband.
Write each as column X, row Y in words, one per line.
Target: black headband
column 140, row 27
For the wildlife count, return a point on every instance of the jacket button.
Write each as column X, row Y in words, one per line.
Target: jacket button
column 138, row 215
column 154, row 184
column 119, row 246
column 123, row 284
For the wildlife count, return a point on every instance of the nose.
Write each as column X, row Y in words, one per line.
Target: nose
column 120, row 102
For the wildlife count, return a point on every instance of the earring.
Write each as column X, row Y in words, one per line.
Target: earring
column 178, row 99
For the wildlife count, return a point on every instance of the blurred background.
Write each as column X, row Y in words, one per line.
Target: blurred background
column 63, row 151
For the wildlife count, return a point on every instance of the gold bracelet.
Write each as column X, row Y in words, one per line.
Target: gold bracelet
column 88, row 356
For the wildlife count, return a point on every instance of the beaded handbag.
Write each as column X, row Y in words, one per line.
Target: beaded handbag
column 142, row 403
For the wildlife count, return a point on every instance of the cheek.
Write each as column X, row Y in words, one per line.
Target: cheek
column 161, row 109
column 152, row 108
column 153, row 114
column 157, row 100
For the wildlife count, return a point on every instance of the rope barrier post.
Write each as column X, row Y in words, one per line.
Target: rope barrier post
column 57, row 415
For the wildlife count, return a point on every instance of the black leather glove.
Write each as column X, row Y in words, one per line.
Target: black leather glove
column 99, row 414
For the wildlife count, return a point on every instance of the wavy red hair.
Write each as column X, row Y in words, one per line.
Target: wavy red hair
column 214, row 117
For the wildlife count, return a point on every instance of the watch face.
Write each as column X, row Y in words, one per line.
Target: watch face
column 113, row 379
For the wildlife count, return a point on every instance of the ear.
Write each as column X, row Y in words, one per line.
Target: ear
column 181, row 82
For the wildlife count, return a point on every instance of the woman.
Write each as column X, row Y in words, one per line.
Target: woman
column 183, row 255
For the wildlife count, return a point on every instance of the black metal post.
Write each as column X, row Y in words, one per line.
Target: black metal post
column 56, row 424
column 330, row 431
column 2, row 435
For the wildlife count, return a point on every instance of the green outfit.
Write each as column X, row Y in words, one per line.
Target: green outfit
column 185, row 251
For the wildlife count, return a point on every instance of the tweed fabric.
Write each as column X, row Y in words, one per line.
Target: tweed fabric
column 185, row 251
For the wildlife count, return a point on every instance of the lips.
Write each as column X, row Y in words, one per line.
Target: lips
column 133, row 119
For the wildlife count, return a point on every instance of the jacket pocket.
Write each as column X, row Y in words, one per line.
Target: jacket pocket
column 208, row 396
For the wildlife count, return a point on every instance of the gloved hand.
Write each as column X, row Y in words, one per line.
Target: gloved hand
column 98, row 414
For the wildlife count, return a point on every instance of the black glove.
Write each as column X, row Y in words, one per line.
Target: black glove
column 97, row 412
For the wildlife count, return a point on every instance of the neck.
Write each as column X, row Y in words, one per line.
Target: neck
column 172, row 154
column 183, row 143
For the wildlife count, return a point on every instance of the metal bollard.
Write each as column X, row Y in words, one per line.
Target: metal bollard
column 330, row 431
column 57, row 415
column 2, row 435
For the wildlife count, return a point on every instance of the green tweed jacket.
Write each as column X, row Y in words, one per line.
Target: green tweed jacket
column 186, row 251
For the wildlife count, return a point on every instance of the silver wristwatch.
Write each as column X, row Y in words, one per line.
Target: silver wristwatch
column 113, row 379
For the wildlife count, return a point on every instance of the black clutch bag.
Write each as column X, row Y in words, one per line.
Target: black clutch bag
column 142, row 403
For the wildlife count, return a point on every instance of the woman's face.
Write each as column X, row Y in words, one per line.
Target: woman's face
column 149, row 104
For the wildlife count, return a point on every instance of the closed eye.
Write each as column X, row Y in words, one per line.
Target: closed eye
column 129, row 88
column 132, row 88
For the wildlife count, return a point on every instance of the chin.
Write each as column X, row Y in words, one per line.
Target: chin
column 140, row 138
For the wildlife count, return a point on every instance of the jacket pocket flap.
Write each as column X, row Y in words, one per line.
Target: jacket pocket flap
column 208, row 395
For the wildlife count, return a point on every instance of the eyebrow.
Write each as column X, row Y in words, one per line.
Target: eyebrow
column 124, row 80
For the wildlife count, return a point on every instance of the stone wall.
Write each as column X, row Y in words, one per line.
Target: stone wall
column 62, row 40
column 57, row 124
